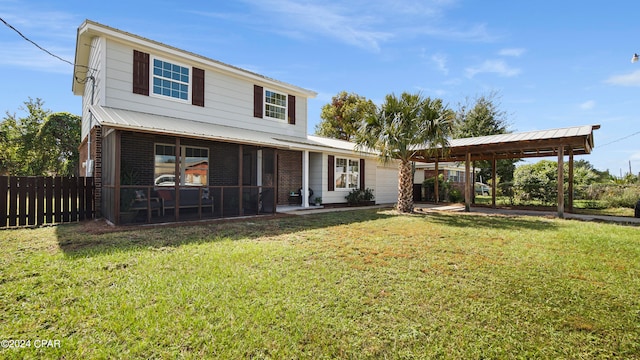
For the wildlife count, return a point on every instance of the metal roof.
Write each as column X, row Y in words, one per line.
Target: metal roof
column 576, row 140
column 157, row 124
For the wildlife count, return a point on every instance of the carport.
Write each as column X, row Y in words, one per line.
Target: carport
column 562, row 142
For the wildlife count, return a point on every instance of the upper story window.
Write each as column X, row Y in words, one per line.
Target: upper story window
column 164, row 78
column 275, row 105
column 170, row 79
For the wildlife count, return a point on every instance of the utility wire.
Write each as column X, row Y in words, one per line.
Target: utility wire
column 620, row 139
column 34, row 43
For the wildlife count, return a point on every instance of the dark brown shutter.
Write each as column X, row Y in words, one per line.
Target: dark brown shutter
column 331, row 179
column 257, row 101
column 362, row 174
column 292, row 110
column 197, row 91
column 140, row 73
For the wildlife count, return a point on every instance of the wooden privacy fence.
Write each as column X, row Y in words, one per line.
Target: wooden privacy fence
column 38, row 200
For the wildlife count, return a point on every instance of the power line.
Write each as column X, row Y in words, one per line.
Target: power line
column 620, row 139
column 36, row 45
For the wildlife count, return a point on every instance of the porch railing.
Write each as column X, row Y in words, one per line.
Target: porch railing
column 154, row 204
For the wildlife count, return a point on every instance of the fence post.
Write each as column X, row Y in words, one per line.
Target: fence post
column 30, row 191
column 73, row 183
column 40, row 199
column 13, row 201
column 22, row 200
column 57, row 196
column 48, row 195
column 4, row 195
column 66, row 211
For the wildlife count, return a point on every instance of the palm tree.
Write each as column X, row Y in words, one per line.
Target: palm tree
column 401, row 129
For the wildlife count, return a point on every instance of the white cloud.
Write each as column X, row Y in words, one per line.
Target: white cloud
column 326, row 19
column 515, row 52
column 588, row 105
column 631, row 79
column 477, row 33
column 52, row 30
column 441, row 63
column 27, row 56
column 365, row 24
column 493, row 66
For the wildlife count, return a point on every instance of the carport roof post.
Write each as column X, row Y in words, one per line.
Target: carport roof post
column 569, row 141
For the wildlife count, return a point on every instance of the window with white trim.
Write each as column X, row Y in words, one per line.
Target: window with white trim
column 170, row 79
column 456, row 176
column 275, row 105
column 347, row 173
column 194, row 165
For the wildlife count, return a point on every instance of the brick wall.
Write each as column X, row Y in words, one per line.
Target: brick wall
column 223, row 164
column 96, row 156
column 137, row 156
column 138, row 152
column 289, row 174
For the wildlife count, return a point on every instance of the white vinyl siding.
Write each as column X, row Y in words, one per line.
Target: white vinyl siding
column 97, row 62
column 228, row 98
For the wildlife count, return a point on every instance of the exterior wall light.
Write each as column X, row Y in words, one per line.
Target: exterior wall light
column 634, row 58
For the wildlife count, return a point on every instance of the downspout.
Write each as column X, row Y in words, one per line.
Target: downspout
column 89, row 163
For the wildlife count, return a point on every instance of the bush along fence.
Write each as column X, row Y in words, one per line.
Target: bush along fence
column 37, row 200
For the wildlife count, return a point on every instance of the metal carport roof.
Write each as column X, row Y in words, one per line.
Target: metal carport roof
column 569, row 141
column 576, row 140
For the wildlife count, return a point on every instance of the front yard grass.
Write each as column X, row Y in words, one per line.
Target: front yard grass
column 355, row 284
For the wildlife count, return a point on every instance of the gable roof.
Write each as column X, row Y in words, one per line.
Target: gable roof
column 90, row 29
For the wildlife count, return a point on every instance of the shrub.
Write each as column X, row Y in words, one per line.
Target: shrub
column 506, row 189
column 611, row 195
column 444, row 186
column 622, row 196
column 359, row 196
column 455, row 195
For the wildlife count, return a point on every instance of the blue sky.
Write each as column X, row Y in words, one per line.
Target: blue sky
column 554, row 63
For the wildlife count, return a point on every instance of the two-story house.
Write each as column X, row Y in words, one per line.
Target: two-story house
column 170, row 135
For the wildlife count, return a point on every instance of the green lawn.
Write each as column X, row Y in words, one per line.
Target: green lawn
column 591, row 207
column 356, row 284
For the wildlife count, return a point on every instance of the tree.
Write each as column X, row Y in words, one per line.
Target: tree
column 480, row 117
column 539, row 181
column 341, row 118
column 399, row 128
column 483, row 117
column 8, row 155
column 40, row 143
column 60, row 134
